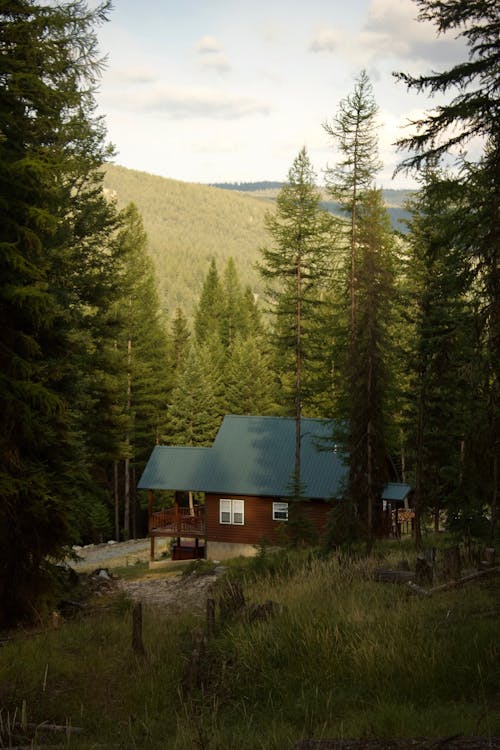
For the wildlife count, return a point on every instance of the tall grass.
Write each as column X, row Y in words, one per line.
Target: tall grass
column 343, row 657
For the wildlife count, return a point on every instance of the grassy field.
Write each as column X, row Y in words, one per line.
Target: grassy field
column 341, row 656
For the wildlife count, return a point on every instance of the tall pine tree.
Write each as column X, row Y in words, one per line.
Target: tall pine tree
column 296, row 265
column 50, row 148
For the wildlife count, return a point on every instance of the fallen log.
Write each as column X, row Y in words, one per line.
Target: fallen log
column 66, row 728
column 453, row 584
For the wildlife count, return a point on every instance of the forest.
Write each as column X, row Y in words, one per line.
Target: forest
column 298, row 312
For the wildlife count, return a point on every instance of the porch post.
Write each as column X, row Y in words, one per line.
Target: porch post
column 150, row 525
column 150, row 509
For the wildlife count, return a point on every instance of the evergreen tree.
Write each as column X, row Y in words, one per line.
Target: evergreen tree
column 180, row 337
column 250, row 387
column 50, row 148
column 447, row 129
column 143, row 344
column 297, row 266
column 368, row 371
column 193, row 416
column 441, row 353
column 353, row 131
column 208, row 313
column 363, row 292
column 234, row 318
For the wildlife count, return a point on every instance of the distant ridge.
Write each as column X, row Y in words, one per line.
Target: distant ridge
column 394, row 199
column 248, row 187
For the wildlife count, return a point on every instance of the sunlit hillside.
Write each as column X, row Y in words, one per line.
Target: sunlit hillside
column 189, row 224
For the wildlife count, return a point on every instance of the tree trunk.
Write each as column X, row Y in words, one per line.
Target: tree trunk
column 417, row 501
column 126, row 499
column 298, row 381
column 133, row 504
column 116, row 496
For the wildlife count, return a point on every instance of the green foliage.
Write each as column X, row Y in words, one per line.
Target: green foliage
column 475, row 106
column 475, row 235
column 297, row 267
column 369, row 360
column 249, row 380
column 353, row 131
column 54, row 219
column 441, row 353
column 363, row 296
column 194, row 415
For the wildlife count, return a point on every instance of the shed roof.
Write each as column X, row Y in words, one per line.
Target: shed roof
column 396, row 491
column 252, row 456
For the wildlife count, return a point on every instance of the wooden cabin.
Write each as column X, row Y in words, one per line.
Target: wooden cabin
column 246, row 478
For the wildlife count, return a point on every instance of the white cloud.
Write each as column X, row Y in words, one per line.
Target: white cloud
column 138, row 74
column 393, row 30
column 184, row 104
column 325, row 39
column 211, row 55
column 208, row 45
column 217, row 62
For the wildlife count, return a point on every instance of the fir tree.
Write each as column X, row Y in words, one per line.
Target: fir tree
column 193, row 416
column 50, row 148
column 143, row 344
column 208, row 313
column 249, row 380
column 447, row 129
column 368, row 370
column 353, row 131
column 297, row 266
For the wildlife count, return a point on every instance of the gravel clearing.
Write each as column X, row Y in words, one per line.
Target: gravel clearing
column 114, row 554
column 168, row 589
column 173, row 594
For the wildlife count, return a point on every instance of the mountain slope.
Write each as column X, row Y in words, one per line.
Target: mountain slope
column 189, row 224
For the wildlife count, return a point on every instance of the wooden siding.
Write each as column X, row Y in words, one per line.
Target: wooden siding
column 259, row 522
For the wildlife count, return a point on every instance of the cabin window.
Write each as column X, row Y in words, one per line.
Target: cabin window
column 280, row 511
column 232, row 511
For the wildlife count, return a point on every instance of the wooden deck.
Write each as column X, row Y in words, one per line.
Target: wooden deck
column 178, row 522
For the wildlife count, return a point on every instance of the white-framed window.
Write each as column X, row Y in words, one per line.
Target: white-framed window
column 280, row 511
column 232, row 511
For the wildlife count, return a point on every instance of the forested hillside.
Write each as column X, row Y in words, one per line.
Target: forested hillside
column 188, row 225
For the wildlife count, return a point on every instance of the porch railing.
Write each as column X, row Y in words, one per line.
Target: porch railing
column 178, row 521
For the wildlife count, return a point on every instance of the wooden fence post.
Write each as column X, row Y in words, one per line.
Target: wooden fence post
column 137, row 644
column 210, row 617
column 451, row 563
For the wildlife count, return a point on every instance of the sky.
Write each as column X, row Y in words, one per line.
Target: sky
column 214, row 91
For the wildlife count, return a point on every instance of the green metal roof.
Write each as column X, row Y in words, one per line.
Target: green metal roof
column 252, row 456
column 396, row 491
